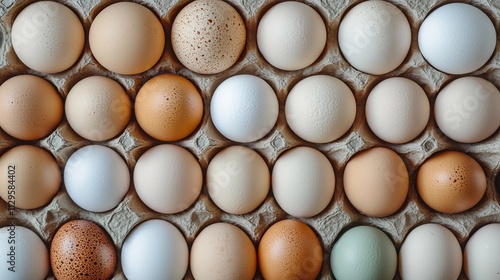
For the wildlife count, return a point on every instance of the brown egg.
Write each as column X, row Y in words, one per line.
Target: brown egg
column 32, row 177
column 30, row 107
column 289, row 249
column 82, row 250
column 451, row 182
column 168, row 107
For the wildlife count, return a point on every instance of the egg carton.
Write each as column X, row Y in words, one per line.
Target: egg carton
column 206, row 141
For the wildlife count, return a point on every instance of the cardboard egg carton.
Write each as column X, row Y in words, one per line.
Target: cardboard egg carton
column 206, row 141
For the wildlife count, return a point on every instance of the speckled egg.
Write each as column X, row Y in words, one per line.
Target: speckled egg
column 82, row 250
column 290, row 249
column 208, row 36
column 168, row 107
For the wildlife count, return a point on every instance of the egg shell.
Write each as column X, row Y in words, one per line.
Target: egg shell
column 32, row 177
column 30, row 107
column 127, row 38
column 320, row 109
column 244, row 108
column 430, row 251
column 96, row 178
column 457, row 38
column 48, row 37
column 376, row 182
column 208, row 36
column 451, row 182
column 223, row 251
column 21, row 248
column 81, row 249
column 290, row 249
column 168, row 107
column 168, row 179
column 155, row 249
column 291, row 35
column 238, row 180
column 482, row 253
column 374, row 37
column 364, row 252
column 97, row 108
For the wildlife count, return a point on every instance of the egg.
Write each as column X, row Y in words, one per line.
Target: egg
column 376, row 182
column 96, row 178
column 81, row 249
column 223, row 251
column 168, row 107
column 97, row 108
column 290, row 249
column 466, row 109
column 397, row 110
column 24, row 255
column 47, row 37
column 238, row 180
column 244, row 108
column 30, row 107
column 127, row 38
column 208, row 36
column 32, row 177
column 374, row 37
column 457, row 46
column 451, row 182
column 430, row 251
column 482, row 253
column 168, row 179
column 291, row 35
column 155, row 249
column 364, row 252
column 320, row 109
column 303, row 182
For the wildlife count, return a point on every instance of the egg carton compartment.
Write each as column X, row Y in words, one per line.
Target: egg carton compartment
column 206, row 141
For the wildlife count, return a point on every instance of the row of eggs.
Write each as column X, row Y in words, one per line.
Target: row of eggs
column 289, row 249
column 244, row 108
column 169, row 179
column 209, row 36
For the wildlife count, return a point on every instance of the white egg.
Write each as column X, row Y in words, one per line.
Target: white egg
column 457, row 38
column 466, row 110
column 397, row 110
column 320, row 109
column 303, row 182
column 291, row 35
column 374, row 37
column 431, row 252
column 24, row 255
column 96, row 178
column 155, row 249
column 482, row 254
column 244, row 108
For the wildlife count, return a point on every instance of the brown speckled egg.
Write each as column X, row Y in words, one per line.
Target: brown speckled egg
column 451, row 182
column 290, row 249
column 168, row 107
column 82, row 250
column 208, row 36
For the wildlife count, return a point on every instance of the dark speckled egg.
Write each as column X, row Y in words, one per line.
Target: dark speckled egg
column 82, row 250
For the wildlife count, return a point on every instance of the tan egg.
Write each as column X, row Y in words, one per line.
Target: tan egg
column 82, row 250
column 290, row 249
column 168, row 107
column 32, row 177
column 127, row 38
column 223, row 251
column 376, row 182
column 30, row 107
column 451, row 182
column 208, row 36
column 98, row 108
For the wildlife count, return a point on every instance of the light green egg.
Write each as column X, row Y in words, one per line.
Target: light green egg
column 363, row 252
